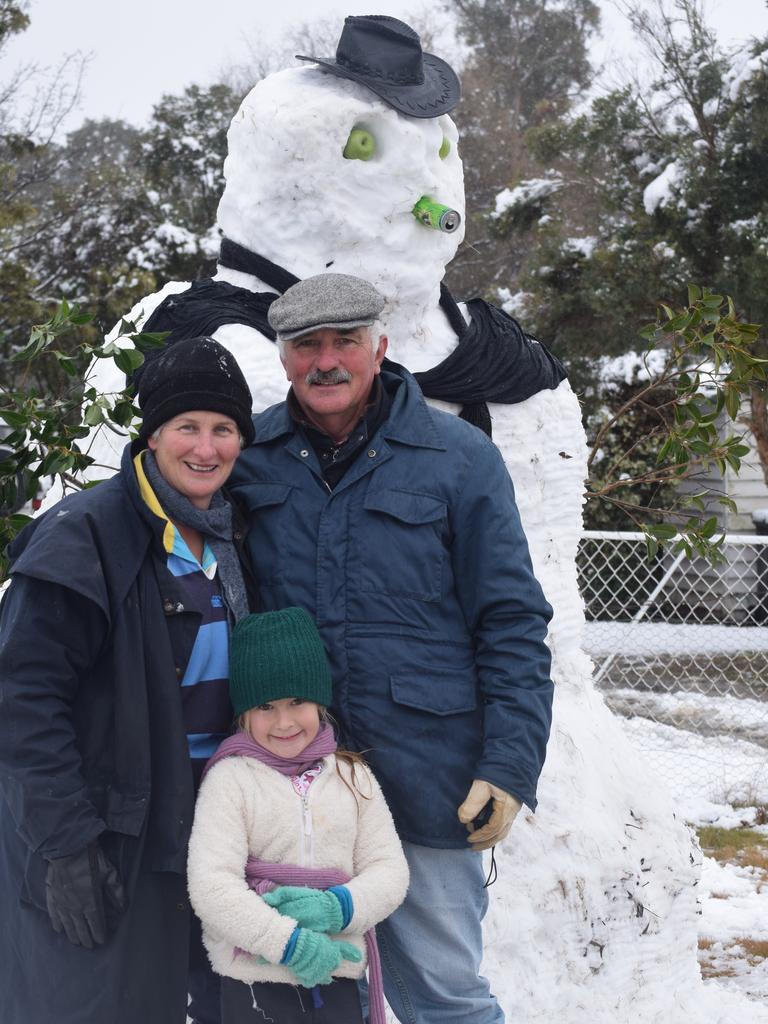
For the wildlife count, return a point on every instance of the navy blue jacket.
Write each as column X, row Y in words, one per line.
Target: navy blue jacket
column 93, row 744
column 417, row 572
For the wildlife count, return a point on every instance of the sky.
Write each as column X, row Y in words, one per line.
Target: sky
column 146, row 48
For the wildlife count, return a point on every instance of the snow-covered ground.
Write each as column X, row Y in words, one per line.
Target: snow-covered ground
column 711, row 750
column 734, row 916
column 603, row 638
column 720, row 781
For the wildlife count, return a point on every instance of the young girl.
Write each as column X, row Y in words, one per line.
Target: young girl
column 293, row 856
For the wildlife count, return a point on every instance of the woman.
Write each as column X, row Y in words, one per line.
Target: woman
column 113, row 685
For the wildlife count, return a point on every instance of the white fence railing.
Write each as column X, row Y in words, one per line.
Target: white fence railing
column 681, row 650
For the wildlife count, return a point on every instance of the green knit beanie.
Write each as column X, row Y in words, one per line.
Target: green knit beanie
column 275, row 655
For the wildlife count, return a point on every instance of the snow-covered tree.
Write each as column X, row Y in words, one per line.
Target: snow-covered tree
column 183, row 152
column 654, row 186
column 526, row 62
column 33, row 105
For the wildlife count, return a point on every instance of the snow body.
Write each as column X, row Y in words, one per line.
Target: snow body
column 593, row 919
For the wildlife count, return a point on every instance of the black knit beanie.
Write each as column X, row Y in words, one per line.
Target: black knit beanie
column 188, row 375
column 275, row 655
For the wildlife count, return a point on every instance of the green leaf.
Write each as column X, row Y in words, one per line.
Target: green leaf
column 123, row 412
column 13, row 419
column 94, row 415
column 664, row 450
column 732, row 400
column 709, row 527
column 148, row 340
column 648, row 332
column 680, row 322
column 127, row 359
column 740, row 450
column 700, row 448
column 662, row 531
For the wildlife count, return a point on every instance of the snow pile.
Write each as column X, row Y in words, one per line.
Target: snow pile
column 741, row 968
column 743, row 716
column 594, row 916
column 660, row 191
column 737, row 910
column 582, row 246
column 631, row 367
column 525, row 194
column 741, row 72
column 640, row 638
column 514, row 304
column 715, row 772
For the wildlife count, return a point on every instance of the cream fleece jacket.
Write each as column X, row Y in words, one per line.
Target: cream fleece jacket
column 246, row 809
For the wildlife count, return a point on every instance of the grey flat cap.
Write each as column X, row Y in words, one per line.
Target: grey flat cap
column 326, row 300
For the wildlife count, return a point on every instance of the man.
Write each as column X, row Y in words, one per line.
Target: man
column 395, row 526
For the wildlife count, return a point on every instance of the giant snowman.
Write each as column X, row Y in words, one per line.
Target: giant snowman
column 593, row 918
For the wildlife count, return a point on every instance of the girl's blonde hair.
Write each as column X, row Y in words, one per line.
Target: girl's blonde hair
column 348, row 757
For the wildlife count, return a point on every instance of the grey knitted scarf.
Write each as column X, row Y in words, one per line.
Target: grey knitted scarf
column 214, row 523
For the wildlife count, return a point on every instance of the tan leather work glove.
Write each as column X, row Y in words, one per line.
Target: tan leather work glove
column 505, row 808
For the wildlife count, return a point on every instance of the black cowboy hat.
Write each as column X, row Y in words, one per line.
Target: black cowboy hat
column 385, row 56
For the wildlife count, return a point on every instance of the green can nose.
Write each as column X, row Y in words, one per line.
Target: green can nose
column 435, row 215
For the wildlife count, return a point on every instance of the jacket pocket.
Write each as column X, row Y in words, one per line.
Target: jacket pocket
column 400, row 544
column 444, row 693
column 266, row 505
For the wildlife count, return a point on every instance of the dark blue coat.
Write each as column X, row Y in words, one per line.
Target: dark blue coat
column 417, row 571
column 92, row 742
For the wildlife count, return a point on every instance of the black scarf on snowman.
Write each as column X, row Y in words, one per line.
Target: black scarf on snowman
column 494, row 359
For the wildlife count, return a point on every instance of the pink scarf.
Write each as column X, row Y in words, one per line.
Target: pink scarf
column 242, row 745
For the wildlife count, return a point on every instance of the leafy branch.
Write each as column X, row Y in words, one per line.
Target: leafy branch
column 43, row 433
column 700, row 365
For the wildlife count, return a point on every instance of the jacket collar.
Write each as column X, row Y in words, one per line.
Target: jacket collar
column 409, row 422
column 154, row 517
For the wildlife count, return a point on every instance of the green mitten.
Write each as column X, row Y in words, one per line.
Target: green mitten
column 310, row 908
column 315, row 956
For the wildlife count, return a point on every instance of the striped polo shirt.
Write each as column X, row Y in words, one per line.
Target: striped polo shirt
column 205, row 678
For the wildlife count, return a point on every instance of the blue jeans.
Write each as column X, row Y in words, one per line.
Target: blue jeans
column 432, row 945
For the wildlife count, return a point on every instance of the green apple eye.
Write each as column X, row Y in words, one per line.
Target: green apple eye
column 445, row 148
column 360, row 145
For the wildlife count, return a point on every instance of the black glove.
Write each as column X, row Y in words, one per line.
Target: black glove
column 76, row 891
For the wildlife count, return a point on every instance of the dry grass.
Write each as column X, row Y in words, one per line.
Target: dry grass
column 713, row 838
column 745, row 848
column 714, row 963
column 754, row 949
column 742, row 846
column 711, row 968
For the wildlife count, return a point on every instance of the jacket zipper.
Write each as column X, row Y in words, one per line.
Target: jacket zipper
column 306, row 831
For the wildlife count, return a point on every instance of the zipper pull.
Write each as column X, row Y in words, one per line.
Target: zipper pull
column 307, row 820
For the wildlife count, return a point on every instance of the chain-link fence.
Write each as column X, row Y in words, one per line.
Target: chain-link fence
column 681, row 650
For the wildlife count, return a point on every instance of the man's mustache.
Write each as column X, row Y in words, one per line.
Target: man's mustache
column 336, row 376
